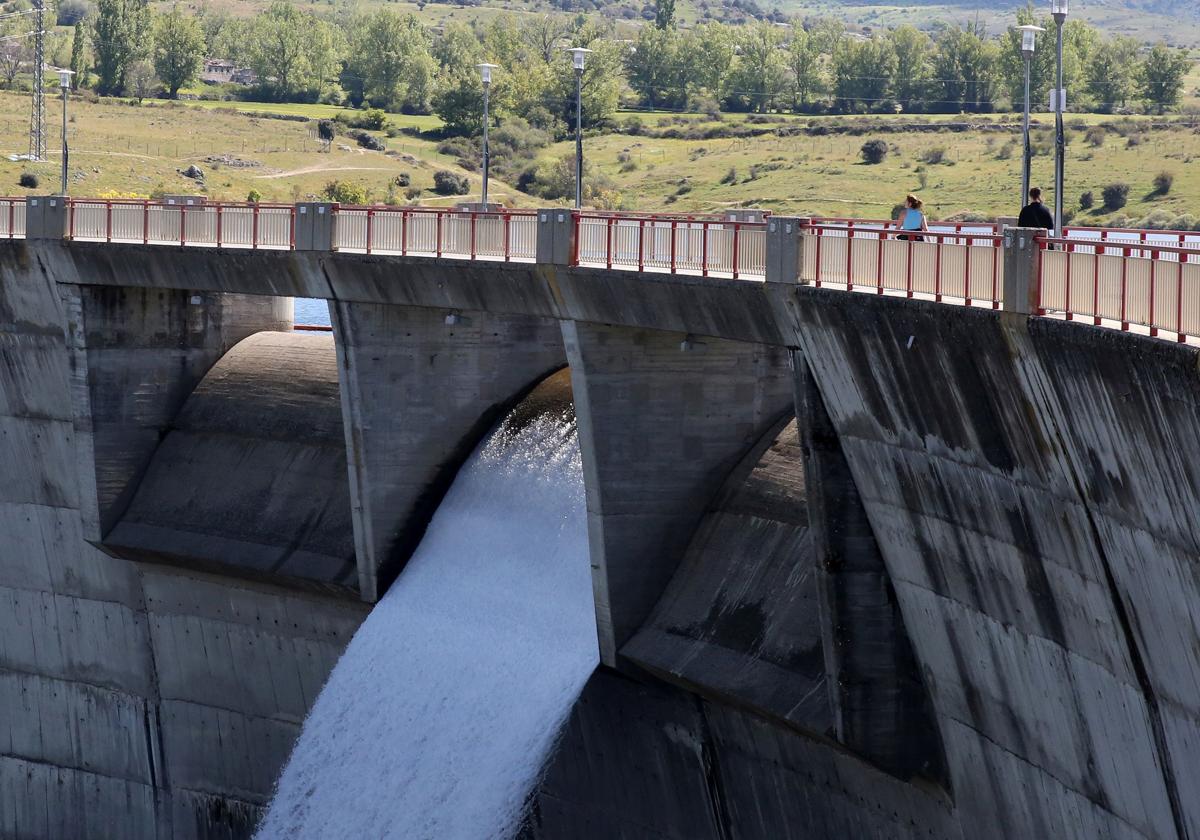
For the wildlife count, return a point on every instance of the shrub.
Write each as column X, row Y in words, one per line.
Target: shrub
column 412, row 193
column 1163, row 182
column 254, row 196
column 325, row 131
column 366, row 140
column 403, row 179
column 374, row 119
column 874, row 151
column 29, row 180
column 450, row 183
column 1087, row 201
column 1133, row 140
column 457, row 147
column 345, row 192
column 1115, row 195
column 1095, row 136
column 934, row 156
column 730, row 177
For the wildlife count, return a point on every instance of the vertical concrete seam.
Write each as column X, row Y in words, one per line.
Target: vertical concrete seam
column 153, row 729
column 711, row 767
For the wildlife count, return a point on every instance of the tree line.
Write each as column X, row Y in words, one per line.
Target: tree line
column 390, row 60
column 816, row 66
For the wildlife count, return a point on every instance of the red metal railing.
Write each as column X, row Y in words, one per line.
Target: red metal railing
column 678, row 245
column 1124, row 277
column 962, row 266
column 12, row 217
column 154, row 222
column 1156, row 286
column 491, row 235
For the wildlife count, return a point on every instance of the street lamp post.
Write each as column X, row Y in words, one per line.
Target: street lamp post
column 64, row 82
column 1028, row 44
column 577, row 56
column 485, row 72
column 1058, row 8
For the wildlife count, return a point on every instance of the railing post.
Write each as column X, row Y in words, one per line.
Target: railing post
column 785, row 249
column 1021, row 270
column 46, row 217
column 557, row 237
column 315, row 226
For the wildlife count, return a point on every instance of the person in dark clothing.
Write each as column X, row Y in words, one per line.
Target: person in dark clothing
column 1035, row 214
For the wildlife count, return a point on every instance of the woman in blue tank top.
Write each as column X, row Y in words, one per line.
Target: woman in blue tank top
column 912, row 218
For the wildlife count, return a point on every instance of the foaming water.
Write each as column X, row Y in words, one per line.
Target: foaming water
column 438, row 718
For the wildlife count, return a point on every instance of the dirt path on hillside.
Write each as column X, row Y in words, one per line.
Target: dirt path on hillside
column 319, row 167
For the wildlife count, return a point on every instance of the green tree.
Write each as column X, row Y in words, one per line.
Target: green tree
column 804, row 64
column 602, row 77
column 390, row 58
column 827, row 34
column 654, row 68
column 760, row 74
column 458, row 99
column 178, row 49
column 544, row 32
column 1010, row 66
column 863, row 73
column 664, row 14
column 1162, row 75
column 914, row 60
column 965, row 65
column 1111, row 73
column 78, row 58
column 120, row 36
column 294, row 53
column 706, row 59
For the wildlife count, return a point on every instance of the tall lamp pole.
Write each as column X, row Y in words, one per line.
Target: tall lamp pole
column 64, row 82
column 1028, row 44
column 577, row 56
column 1058, row 8
column 485, row 72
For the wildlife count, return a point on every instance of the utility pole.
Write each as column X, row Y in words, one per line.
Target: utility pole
column 37, row 120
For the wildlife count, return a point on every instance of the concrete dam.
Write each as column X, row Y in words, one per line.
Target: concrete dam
column 861, row 565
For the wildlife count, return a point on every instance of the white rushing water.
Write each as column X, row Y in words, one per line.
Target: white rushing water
column 438, row 718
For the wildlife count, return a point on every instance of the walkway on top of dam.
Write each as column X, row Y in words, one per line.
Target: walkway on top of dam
column 1145, row 281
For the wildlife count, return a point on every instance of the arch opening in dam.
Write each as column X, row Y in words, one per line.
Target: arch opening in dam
column 439, row 717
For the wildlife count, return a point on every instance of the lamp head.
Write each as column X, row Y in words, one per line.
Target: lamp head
column 485, row 72
column 1058, row 8
column 1029, row 37
column 577, row 56
column 64, row 78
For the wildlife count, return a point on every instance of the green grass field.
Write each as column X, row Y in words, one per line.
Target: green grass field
column 123, row 149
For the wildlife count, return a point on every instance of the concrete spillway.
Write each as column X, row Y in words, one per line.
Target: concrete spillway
column 437, row 720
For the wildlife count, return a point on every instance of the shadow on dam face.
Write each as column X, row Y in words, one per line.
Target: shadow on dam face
column 250, row 476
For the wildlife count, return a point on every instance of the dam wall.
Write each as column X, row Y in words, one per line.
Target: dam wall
column 896, row 569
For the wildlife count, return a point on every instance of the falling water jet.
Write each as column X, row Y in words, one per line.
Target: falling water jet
column 439, row 717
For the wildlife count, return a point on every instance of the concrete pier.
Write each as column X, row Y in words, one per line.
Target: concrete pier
column 420, row 388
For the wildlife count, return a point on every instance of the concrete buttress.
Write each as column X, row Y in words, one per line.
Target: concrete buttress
column 419, row 389
column 663, row 418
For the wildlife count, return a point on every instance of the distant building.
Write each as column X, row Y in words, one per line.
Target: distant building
column 219, row 70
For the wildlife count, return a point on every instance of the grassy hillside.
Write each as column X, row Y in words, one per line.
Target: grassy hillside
column 793, row 165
